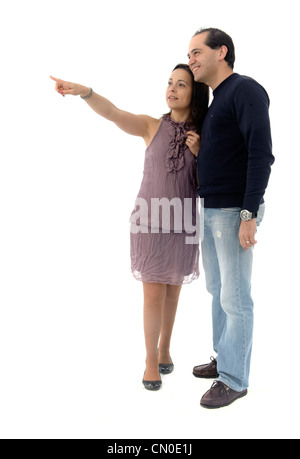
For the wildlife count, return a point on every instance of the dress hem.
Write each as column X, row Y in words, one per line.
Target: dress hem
column 186, row 279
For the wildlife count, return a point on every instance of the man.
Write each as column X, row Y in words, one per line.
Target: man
column 234, row 164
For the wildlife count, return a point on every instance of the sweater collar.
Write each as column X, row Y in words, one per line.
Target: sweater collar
column 225, row 82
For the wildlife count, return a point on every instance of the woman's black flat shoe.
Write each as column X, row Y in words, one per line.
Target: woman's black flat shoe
column 152, row 385
column 166, row 368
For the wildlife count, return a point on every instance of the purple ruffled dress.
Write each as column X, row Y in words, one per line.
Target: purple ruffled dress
column 166, row 215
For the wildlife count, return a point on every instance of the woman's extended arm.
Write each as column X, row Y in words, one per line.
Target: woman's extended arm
column 139, row 125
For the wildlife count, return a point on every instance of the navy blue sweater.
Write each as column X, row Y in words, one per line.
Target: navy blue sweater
column 235, row 156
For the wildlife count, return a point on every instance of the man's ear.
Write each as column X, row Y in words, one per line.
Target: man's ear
column 222, row 52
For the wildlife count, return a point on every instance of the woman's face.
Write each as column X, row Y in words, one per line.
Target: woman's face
column 179, row 90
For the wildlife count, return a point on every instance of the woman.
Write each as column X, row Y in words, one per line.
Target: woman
column 160, row 256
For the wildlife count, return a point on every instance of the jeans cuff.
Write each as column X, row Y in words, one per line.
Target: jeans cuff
column 231, row 384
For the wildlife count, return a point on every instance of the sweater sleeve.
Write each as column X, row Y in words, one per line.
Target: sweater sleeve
column 252, row 111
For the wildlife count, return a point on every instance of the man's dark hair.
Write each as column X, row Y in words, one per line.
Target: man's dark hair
column 217, row 38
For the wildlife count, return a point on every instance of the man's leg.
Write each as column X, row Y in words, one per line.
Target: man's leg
column 212, row 276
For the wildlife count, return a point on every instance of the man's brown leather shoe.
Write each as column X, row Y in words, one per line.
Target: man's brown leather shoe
column 220, row 395
column 206, row 371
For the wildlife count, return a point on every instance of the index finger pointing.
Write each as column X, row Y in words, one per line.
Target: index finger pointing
column 57, row 80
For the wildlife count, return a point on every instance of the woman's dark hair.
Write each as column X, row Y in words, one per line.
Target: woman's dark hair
column 217, row 38
column 200, row 97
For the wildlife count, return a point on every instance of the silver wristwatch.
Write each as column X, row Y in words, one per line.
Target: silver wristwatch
column 246, row 215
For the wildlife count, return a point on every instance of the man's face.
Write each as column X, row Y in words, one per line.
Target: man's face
column 203, row 61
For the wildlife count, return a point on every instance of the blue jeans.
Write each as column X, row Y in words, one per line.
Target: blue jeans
column 228, row 269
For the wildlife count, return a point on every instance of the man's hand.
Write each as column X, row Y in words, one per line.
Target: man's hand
column 247, row 233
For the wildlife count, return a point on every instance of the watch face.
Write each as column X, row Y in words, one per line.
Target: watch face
column 245, row 215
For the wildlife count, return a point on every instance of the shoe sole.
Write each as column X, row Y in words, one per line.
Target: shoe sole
column 152, row 389
column 215, row 376
column 226, row 404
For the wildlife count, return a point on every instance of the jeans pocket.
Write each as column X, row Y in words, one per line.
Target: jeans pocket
column 260, row 214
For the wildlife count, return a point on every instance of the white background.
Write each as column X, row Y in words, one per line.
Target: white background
column 71, row 337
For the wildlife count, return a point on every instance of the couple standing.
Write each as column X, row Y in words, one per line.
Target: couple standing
column 222, row 153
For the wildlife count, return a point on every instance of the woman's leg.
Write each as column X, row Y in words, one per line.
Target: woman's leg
column 154, row 299
column 168, row 319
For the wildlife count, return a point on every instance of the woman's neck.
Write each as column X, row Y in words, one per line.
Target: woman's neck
column 181, row 116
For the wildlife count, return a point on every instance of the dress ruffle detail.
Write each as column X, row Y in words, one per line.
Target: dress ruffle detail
column 177, row 146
